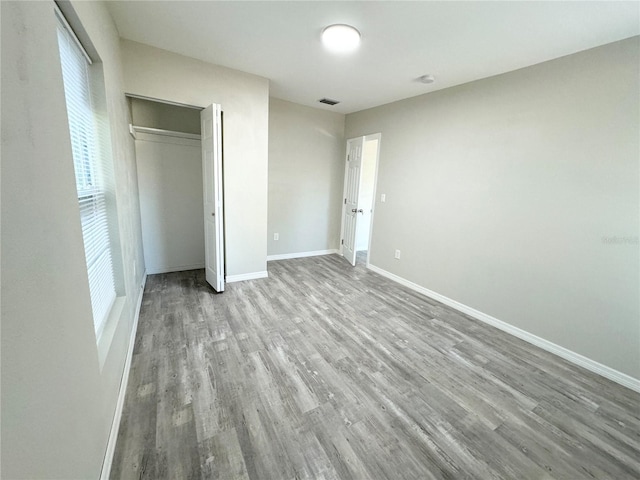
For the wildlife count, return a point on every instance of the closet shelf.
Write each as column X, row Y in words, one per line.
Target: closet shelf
column 134, row 129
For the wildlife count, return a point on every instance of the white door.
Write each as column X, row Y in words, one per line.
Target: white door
column 350, row 211
column 210, row 123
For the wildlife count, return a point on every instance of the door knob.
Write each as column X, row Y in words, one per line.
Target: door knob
column 353, row 210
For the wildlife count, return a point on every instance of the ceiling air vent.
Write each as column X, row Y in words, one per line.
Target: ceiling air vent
column 328, row 101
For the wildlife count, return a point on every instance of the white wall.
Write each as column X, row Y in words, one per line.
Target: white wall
column 306, row 170
column 145, row 113
column 365, row 193
column 505, row 194
column 171, row 208
column 57, row 401
column 156, row 73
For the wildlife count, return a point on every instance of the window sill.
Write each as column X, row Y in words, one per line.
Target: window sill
column 111, row 325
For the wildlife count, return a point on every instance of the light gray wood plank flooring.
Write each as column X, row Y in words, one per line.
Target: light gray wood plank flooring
column 324, row 371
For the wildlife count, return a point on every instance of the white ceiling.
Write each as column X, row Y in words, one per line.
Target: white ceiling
column 456, row 41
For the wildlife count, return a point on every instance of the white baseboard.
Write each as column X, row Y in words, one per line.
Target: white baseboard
column 246, row 276
column 573, row 357
column 166, row 269
column 115, row 425
column 287, row 256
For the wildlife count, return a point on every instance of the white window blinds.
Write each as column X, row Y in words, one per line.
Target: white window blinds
column 89, row 174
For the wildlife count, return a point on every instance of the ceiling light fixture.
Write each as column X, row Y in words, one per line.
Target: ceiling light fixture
column 427, row 79
column 341, row 38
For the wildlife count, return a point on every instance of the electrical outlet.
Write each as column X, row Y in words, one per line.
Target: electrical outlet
column 397, row 255
column 276, row 236
column 383, row 198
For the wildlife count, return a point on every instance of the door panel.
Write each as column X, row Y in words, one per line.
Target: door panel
column 353, row 172
column 210, row 122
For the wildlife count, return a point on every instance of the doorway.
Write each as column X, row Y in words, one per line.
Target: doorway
column 179, row 165
column 361, row 170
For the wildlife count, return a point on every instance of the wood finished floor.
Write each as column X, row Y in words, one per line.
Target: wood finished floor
column 324, row 371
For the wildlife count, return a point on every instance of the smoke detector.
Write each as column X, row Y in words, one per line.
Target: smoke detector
column 426, row 79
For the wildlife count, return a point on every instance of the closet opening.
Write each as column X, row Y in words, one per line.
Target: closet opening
column 172, row 189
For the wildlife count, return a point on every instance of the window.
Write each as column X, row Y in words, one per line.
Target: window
column 90, row 172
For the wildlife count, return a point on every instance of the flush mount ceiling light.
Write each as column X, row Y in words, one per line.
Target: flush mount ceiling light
column 341, row 38
column 427, row 79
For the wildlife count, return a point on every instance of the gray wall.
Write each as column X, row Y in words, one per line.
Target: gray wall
column 517, row 195
column 156, row 73
column 306, row 170
column 57, row 400
column 145, row 113
column 170, row 185
column 171, row 202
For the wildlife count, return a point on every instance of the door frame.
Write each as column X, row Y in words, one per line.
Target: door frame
column 373, row 136
column 220, row 152
column 369, row 137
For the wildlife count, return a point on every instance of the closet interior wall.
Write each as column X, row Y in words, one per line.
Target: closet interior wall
column 169, row 164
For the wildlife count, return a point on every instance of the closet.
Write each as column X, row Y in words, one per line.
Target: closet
column 169, row 167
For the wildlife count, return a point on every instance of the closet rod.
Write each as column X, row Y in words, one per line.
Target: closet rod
column 159, row 131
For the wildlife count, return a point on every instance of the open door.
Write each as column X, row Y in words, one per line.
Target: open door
column 350, row 211
column 210, row 123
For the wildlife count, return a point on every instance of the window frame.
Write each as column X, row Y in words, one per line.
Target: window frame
column 90, row 173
